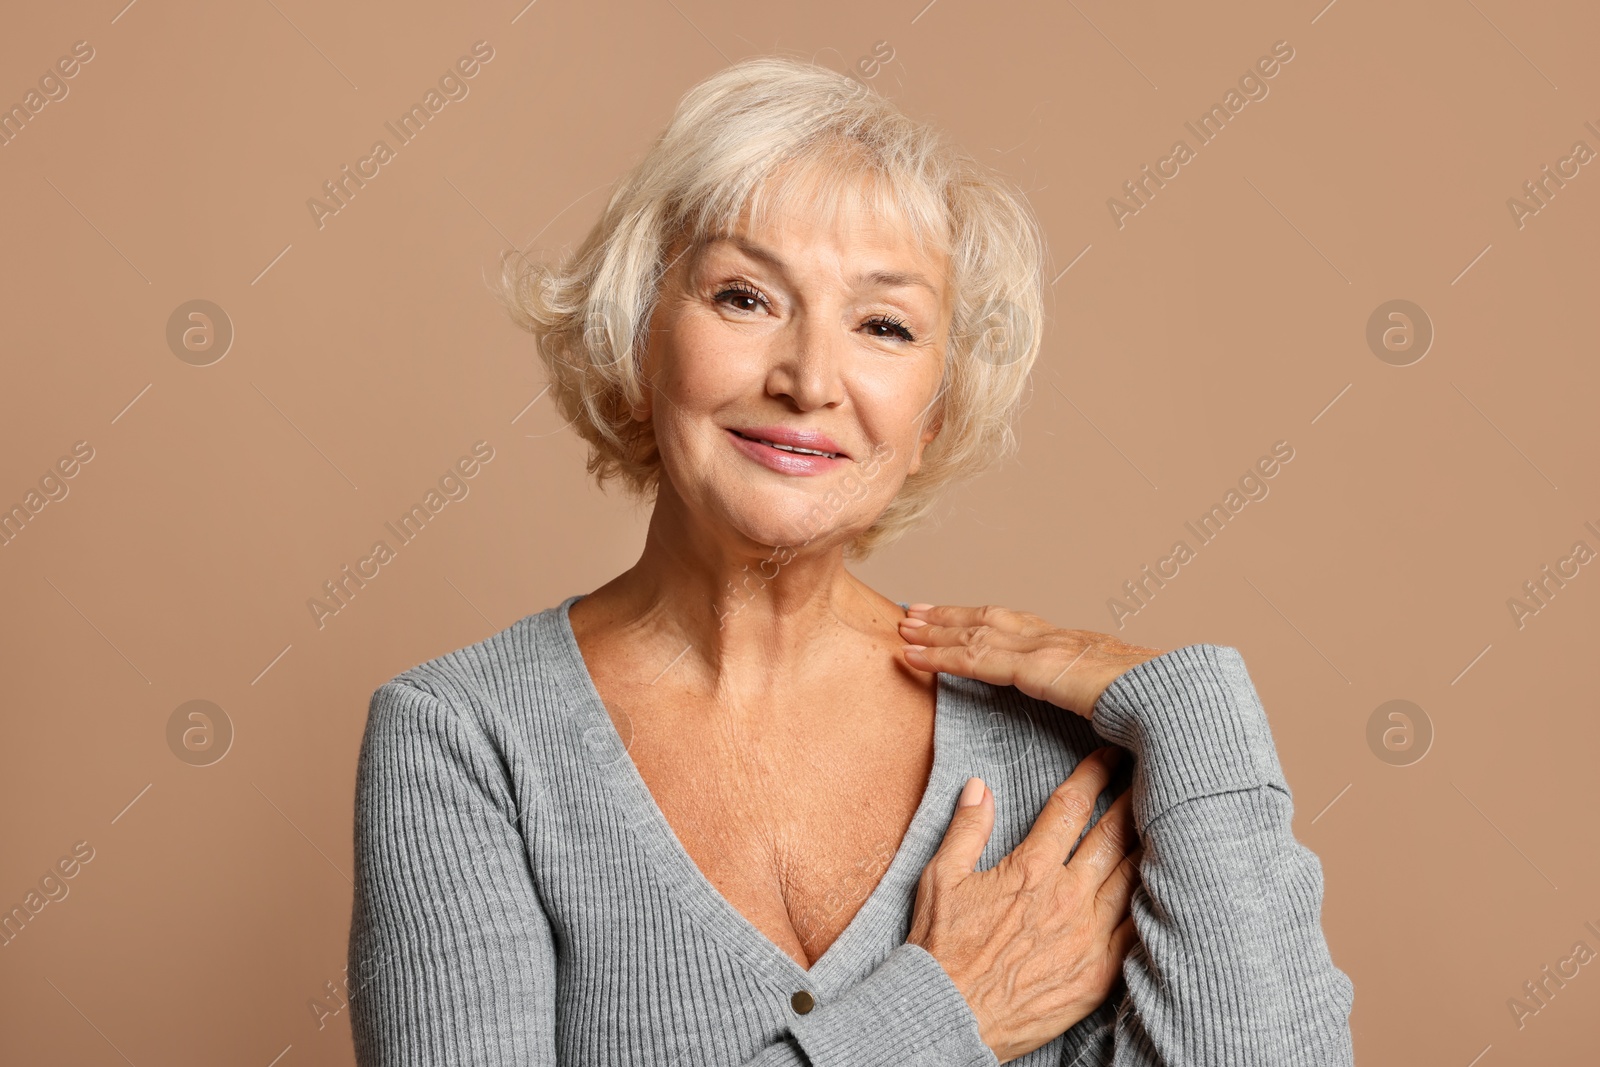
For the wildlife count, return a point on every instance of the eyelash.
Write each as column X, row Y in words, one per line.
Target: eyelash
column 745, row 290
column 893, row 323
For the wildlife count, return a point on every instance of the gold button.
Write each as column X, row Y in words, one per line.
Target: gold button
column 802, row 1002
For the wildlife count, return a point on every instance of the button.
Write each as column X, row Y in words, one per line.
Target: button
column 802, row 1002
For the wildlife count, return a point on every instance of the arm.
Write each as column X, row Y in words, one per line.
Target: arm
column 451, row 954
column 1232, row 967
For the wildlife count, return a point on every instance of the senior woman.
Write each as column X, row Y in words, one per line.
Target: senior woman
column 734, row 806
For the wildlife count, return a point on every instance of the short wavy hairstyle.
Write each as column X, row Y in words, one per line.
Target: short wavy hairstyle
column 746, row 140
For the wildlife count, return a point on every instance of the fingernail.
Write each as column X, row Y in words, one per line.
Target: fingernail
column 971, row 793
column 918, row 649
column 1113, row 755
column 919, row 607
column 912, row 624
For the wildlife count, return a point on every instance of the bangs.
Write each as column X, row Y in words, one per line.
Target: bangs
column 824, row 179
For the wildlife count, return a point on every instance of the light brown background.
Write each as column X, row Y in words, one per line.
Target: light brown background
column 1227, row 315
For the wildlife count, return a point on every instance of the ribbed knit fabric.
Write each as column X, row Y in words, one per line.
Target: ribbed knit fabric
column 521, row 899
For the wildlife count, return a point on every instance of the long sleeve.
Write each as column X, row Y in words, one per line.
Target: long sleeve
column 1231, row 967
column 452, row 958
column 906, row 1013
column 451, row 955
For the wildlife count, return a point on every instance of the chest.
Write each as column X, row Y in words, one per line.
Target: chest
column 792, row 812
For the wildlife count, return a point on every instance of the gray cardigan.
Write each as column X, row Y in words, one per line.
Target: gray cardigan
column 521, row 899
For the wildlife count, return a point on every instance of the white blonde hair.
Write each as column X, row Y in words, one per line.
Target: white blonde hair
column 731, row 136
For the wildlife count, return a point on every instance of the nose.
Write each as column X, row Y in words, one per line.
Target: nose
column 808, row 362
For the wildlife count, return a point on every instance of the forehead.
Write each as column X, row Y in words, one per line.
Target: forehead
column 839, row 193
column 850, row 208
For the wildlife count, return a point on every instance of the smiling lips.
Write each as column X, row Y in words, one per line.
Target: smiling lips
column 788, row 451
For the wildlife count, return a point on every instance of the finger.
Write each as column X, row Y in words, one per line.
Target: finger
column 1005, row 659
column 967, row 834
column 922, row 632
column 1117, row 890
column 1067, row 809
column 1006, row 620
column 1058, row 650
column 1107, row 843
column 1122, row 940
column 986, row 661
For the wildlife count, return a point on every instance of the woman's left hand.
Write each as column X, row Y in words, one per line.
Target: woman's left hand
column 1069, row 668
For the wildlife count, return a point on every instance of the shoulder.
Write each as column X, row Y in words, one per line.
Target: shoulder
column 495, row 685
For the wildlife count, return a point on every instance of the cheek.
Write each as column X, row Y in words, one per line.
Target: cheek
column 881, row 481
column 895, row 409
column 699, row 378
column 705, row 367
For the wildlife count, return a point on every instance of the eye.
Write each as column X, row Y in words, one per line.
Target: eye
column 894, row 325
column 740, row 291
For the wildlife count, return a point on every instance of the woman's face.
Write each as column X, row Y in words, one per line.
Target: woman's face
column 826, row 334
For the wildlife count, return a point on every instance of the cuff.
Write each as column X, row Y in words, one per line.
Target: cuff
column 907, row 1012
column 1193, row 719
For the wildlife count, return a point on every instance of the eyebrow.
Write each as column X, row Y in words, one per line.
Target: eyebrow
column 891, row 278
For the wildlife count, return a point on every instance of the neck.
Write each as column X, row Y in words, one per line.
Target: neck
column 730, row 617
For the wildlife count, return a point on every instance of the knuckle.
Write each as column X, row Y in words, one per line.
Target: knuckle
column 1023, row 866
column 1107, row 856
column 1067, row 898
column 1070, row 806
column 976, row 652
column 1036, row 872
column 1113, row 833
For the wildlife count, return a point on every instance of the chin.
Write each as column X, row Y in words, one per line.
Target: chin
column 790, row 519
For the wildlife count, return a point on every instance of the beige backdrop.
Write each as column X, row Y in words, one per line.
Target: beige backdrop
column 1191, row 331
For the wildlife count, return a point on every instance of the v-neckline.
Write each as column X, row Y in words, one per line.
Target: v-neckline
column 878, row 921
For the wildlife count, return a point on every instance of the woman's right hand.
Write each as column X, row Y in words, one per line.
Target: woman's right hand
column 1035, row 943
